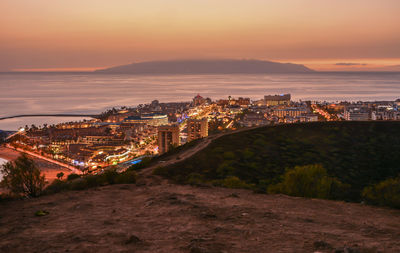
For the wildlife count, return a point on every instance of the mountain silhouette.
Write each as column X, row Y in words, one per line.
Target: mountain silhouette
column 207, row 67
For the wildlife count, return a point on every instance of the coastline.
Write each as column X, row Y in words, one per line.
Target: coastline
column 50, row 170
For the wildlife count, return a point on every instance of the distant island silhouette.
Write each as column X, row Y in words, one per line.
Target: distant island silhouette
column 227, row 66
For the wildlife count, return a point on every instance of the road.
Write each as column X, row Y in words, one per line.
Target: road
column 48, row 169
column 69, row 167
column 50, row 115
column 181, row 156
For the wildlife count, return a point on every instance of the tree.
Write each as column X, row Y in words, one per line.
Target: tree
column 310, row 181
column 23, row 177
column 60, row 175
column 384, row 193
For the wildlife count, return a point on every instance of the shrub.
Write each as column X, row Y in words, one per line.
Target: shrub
column 127, row 177
column 93, row 180
column 385, row 193
column 235, row 183
column 311, row 181
column 5, row 197
column 56, row 186
column 143, row 164
column 78, row 184
column 60, row 175
column 22, row 177
column 72, row 176
column 195, row 179
column 110, row 175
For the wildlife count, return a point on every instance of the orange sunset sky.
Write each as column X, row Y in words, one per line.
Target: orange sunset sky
column 90, row 34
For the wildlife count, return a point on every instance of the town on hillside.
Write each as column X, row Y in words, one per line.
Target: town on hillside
column 125, row 136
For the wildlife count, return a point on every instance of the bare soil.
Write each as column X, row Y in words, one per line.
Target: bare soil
column 156, row 216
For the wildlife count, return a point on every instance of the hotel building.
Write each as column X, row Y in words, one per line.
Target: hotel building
column 283, row 99
column 153, row 119
column 197, row 128
column 167, row 136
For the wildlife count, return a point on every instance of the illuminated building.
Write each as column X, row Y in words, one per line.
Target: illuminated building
column 255, row 119
column 197, row 128
column 168, row 136
column 290, row 111
column 244, row 102
column 282, row 99
column 153, row 119
column 357, row 114
column 198, row 100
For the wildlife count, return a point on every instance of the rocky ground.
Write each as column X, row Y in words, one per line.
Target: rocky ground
column 157, row 216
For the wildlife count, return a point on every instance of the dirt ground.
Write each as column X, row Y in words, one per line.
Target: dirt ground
column 161, row 217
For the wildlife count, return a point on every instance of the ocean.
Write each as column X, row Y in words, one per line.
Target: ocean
column 90, row 93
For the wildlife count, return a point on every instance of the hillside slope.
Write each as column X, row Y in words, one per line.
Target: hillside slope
column 161, row 217
column 357, row 153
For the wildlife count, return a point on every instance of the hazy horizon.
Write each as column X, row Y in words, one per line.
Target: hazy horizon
column 317, row 66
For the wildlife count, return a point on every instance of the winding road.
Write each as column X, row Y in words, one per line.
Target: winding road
column 183, row 155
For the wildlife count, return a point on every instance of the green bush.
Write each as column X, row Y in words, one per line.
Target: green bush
column 195, row 179
column 143, row 164
column 78, row 184
column 60, row 175
column 127, row 177
column 235, row 183
column 93, row 180
column 56, row 186
column 311, row 181
column 110, row 175
column 385, row 193
column 72, row 176
column 5, row 197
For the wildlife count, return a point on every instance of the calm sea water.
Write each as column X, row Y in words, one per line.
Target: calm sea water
column 40, row 93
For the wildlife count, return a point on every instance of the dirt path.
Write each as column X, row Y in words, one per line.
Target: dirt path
column 181, row 156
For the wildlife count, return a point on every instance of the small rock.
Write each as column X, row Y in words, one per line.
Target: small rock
column 208, row 216
column 347, row 250
column 133, row 239
column 233, row 195
column 322, row 245
column 197, row 250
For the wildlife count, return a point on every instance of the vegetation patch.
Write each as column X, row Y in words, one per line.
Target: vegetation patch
column 22, row 178
column 385, row 193
column 341, row 158
column 108, row 177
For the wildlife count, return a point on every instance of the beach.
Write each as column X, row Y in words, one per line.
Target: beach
column 49, row 169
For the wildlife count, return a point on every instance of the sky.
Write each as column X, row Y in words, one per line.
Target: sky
column 91, row 34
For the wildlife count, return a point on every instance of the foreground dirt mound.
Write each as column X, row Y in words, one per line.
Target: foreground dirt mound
column 171, row 218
